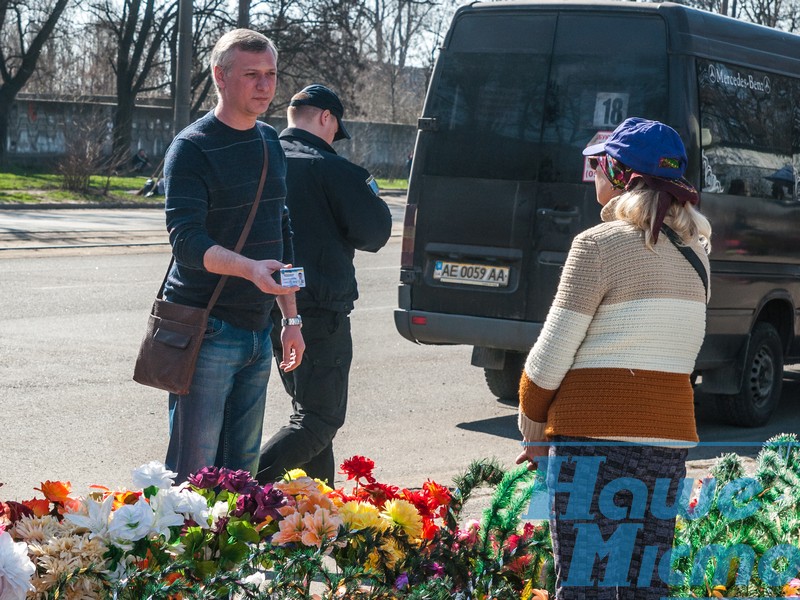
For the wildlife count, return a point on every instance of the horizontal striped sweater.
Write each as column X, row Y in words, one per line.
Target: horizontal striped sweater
column 615, row 355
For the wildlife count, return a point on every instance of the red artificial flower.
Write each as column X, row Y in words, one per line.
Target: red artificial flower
column 439, row 497
column 429, row 529
column 419, row 500
column 376, row 493
column 359, row 467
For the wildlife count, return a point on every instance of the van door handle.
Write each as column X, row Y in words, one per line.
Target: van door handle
column 558, row 214
column 559, row 217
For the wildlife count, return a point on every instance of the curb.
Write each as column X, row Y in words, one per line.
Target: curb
column 394, row 195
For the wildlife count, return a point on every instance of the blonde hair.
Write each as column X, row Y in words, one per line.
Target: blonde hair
column 639, row 205
column 245, row 40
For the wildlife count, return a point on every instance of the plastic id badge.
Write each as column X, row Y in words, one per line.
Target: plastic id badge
column 293, row 277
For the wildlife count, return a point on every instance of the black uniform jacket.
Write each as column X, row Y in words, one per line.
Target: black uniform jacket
column 334, row 212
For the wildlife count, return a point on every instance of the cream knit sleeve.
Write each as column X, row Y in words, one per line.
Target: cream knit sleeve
column 580, row 292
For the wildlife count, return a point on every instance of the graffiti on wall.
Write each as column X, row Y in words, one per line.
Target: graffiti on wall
column 41, row 127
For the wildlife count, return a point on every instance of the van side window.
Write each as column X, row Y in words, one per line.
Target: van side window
column 747, row 131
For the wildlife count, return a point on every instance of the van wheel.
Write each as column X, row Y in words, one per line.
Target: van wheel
column 504, row 383
column 763, row 381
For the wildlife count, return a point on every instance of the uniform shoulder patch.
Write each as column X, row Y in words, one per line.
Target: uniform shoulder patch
column 373, row 185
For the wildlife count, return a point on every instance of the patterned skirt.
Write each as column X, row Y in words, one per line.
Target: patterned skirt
column 613, row 516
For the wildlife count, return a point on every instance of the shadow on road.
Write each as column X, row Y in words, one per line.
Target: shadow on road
column 715, row 438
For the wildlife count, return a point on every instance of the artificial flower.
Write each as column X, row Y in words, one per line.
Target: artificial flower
column 38, row 506
column 56, row 491
column 261, row 504
column 359, row 467
column 294, row 474
column 320, row 527
column 130, row 523
column 153, row 474
column 792, row 589
column 290, row 529
column 404, row 515
column 238, row 482
column 95, row 517
column 358, row 516
column 16, row 569
column 302, row 486
column 377, row 493
column 206, row 478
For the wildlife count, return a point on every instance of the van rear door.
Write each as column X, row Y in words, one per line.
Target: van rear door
column 499, row 187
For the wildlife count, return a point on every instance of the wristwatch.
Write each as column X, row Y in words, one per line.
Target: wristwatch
column 298, row 320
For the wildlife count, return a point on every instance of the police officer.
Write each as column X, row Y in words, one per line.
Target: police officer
column 335, row 210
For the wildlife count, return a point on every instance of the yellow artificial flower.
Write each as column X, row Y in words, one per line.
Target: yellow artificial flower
column 403, row 514
column 294, row 474
column 360, row 515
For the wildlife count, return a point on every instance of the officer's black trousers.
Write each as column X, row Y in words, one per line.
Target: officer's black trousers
column 318, row 388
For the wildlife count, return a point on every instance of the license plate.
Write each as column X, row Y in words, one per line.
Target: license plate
column 471, row 274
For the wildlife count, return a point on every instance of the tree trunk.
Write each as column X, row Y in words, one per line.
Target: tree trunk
column 123, row 127
column 5, row 113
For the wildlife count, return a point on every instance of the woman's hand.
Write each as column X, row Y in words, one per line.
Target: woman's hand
column 532, row 452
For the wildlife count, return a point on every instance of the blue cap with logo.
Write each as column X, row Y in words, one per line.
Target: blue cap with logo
column 322, row 97
column 647, row 147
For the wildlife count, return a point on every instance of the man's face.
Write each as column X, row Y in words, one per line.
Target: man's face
column 248, row 87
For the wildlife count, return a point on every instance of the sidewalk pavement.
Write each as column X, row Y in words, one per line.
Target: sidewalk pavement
column 58, row 226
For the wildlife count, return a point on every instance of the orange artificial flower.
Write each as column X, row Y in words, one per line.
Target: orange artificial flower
column 123, row 498
column 55, row 491
column 39, row 506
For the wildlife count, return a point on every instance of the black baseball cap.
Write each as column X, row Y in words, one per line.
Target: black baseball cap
column 322, row 97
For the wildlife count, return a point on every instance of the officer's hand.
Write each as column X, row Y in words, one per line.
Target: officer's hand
column 262, row 275
column 293, row 348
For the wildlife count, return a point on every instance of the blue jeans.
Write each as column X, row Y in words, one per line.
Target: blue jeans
column 219, row 421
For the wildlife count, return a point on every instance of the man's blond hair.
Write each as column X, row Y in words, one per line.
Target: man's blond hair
column 245, row 40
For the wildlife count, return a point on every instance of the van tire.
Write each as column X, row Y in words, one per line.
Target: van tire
column 504, row 383
column 762, row 383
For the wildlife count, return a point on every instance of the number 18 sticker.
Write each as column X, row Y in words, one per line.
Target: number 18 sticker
column 610, row 109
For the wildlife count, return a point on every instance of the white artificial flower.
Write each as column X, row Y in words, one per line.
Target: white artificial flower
column 257, row 580
column 153, row 474
column 130, row 522
column 96, row 519
column 220, row 510
column 16, row 569
column 165, row 514
column 194, row 506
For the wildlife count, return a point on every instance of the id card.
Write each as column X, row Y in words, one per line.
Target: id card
column 293, row 277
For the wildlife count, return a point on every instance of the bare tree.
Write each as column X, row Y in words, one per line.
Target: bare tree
column 25, row 26
column 139, row 30
column 317, row 42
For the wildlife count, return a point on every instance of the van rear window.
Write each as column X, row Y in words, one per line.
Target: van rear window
column 519, row 98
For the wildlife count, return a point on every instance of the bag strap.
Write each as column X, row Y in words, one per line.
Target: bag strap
column 689, row 254
column 242, row 237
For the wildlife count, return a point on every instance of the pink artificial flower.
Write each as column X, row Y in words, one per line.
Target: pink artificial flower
column 290, row 529
column 320, row 527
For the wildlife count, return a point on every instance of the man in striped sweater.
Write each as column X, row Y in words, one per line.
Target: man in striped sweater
column 212, row 172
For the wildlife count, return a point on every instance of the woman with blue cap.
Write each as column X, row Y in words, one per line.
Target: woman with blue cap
column 606, row 391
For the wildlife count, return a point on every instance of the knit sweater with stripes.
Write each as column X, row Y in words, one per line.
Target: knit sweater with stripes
column 615, row 355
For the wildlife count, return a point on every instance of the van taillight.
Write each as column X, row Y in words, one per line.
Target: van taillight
column 419, row 320
column 409, row 231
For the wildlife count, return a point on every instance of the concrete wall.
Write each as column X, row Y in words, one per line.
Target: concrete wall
column 39, row 130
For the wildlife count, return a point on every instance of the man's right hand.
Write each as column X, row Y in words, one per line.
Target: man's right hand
column 225, row 262
column 262, row 273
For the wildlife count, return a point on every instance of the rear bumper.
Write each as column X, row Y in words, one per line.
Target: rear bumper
column 440, row 328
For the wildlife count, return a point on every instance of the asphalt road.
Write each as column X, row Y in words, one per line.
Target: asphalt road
column 71, row 320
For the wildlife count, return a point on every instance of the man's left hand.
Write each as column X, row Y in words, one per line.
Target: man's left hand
column 293, row 348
